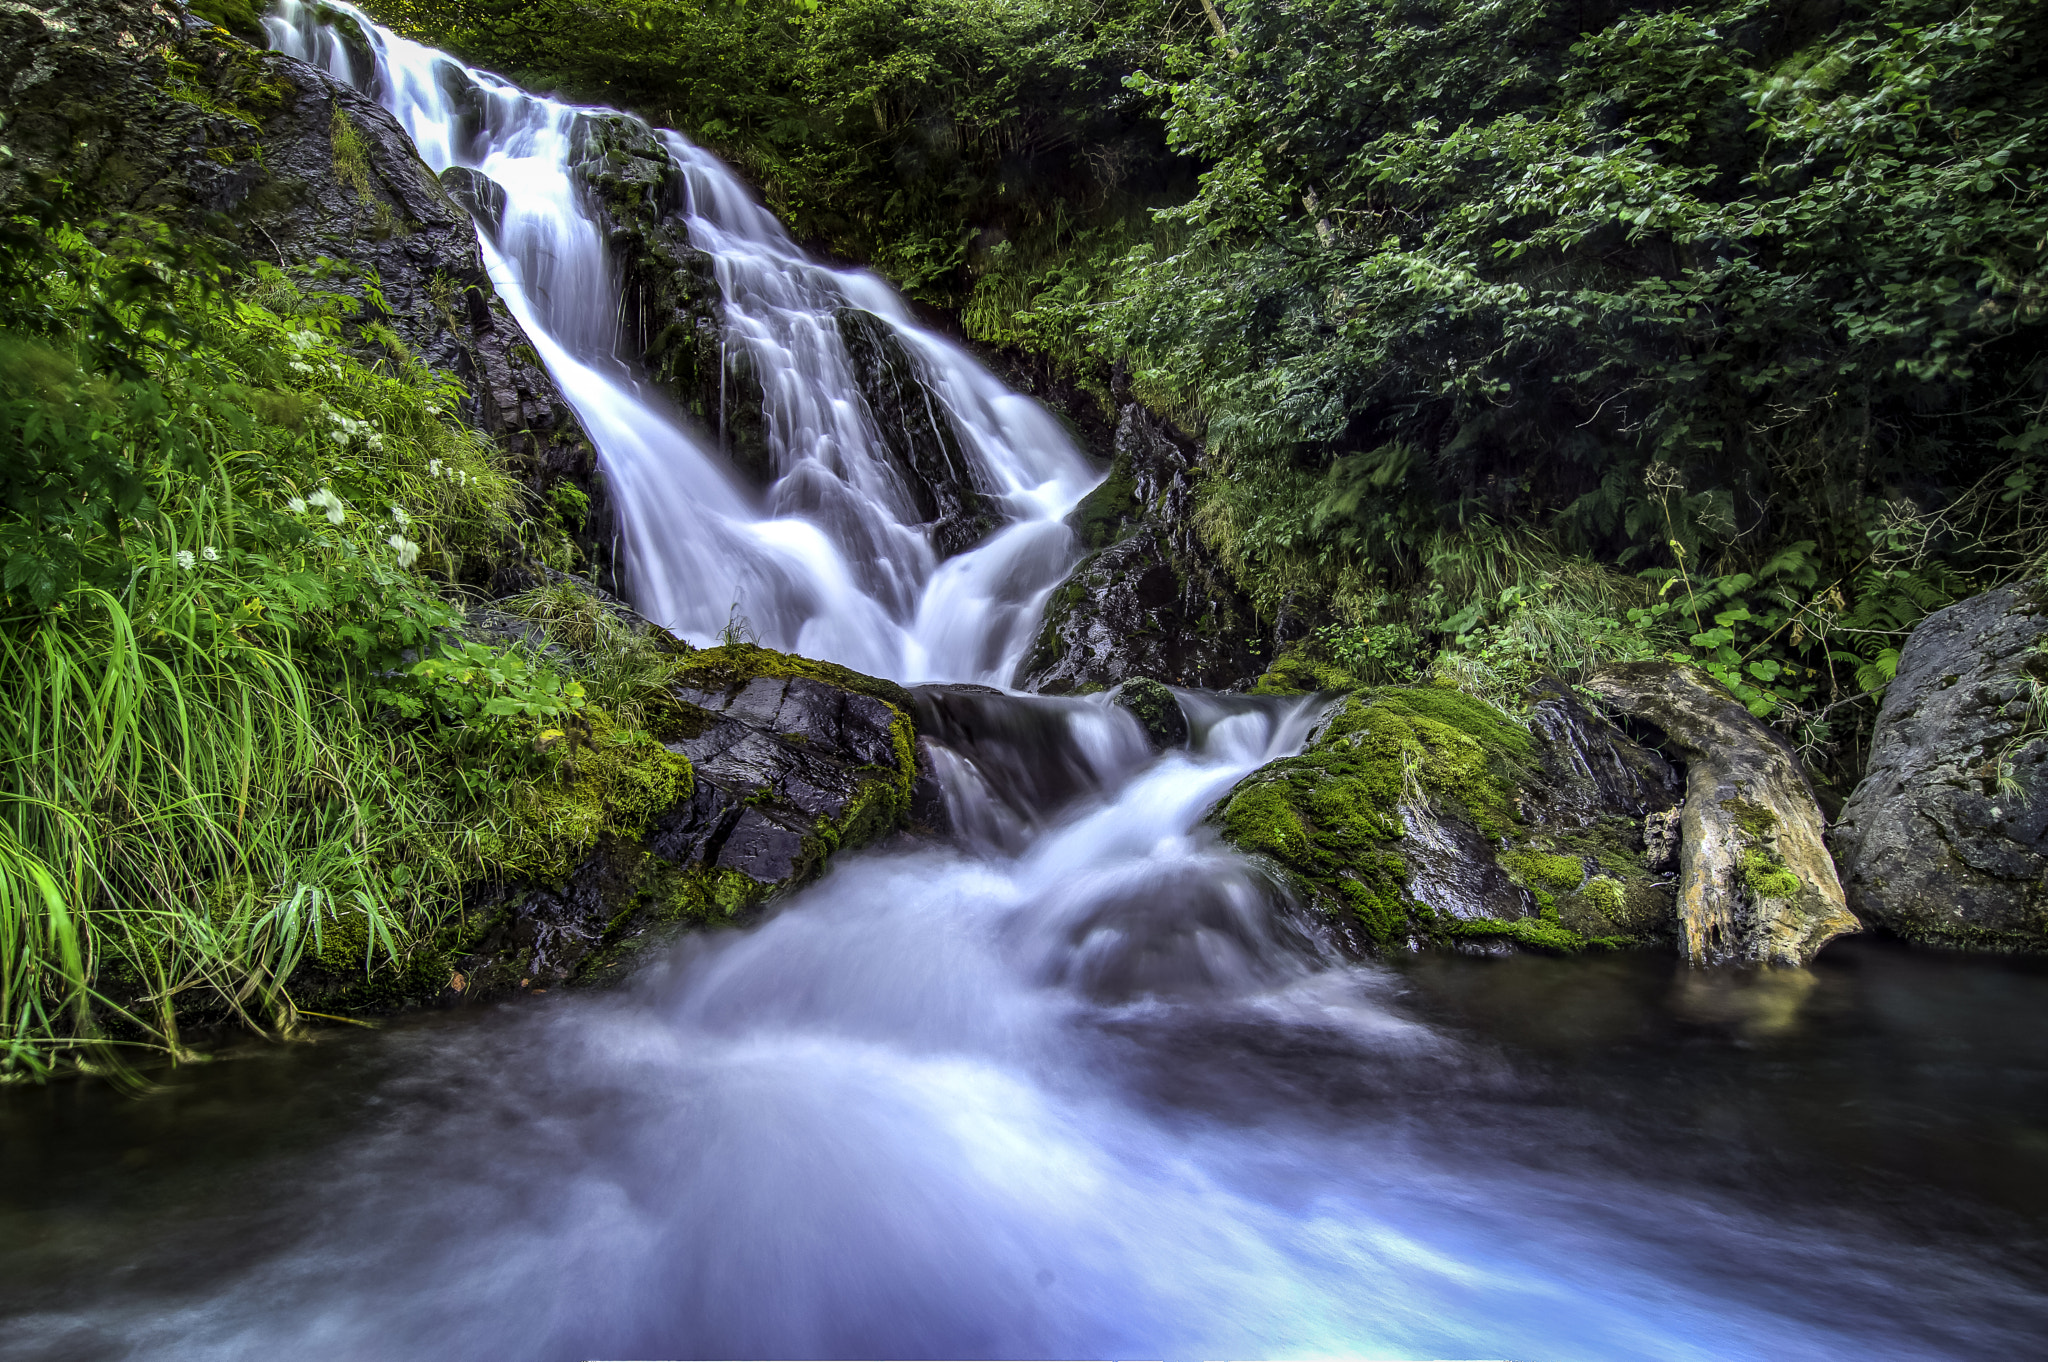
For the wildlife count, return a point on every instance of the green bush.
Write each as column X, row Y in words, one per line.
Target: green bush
column 219, row 504
column 1747, row 297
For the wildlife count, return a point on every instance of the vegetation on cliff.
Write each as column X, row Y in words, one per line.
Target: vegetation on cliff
column 245, row 727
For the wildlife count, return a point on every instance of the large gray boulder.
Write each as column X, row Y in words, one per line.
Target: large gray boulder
column 1946, row 838
column 1755, row 883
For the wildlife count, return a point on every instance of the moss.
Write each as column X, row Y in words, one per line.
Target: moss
column 1155, row 707
column 1103, row 511
column 351, row 156
column 1534, row 933
column 1605, row 895
column 731, row 666
column 1296, row 670
column 243, row 18
column 1543, row 871
column 1766, row 877
column 1756, row 822
column 610, row 784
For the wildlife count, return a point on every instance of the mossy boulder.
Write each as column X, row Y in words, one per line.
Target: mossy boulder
column 759, row 767
column 790, row 760
column 1421, row 816
column 1156, row 707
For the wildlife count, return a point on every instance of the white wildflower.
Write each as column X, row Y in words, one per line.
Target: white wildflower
column 408, row 552
column 433, row 468
column 186, row 560
column 399, row 516
column 297, row 505
column 327, row 501
column 210, row 554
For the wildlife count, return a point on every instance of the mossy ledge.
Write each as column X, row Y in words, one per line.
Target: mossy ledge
column 1421, row 816
column 759, row 766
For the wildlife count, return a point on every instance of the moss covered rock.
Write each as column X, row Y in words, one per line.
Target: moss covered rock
column 1421, row 816
column 789, row 760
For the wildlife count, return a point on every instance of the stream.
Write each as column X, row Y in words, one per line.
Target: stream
column 1077, row 1080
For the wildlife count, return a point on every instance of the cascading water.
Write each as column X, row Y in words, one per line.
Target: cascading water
column 830, row 562
column 1080, row 1082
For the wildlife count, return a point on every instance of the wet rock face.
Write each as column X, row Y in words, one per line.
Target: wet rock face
column 1420, row 816
column 150, row 111
column 1151, row 601
column 1756, row 883
column 918, row 435
column 1155, row 707
column 792, row 760
column 673, row 312
column 1946, row 838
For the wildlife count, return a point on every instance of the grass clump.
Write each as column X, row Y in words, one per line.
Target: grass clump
column 245, row 731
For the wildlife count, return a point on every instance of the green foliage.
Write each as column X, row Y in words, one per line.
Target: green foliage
column 217, row 509
column 1718, row 290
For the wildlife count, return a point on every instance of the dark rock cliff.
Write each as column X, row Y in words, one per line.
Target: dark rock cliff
column 1945, row 841
column 672, row 310
column 144, row 108
column 918, row 435
column 1150, row 600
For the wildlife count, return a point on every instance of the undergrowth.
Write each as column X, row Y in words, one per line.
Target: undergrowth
column 242, row 717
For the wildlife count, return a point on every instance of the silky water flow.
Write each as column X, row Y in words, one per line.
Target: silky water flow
column 828, row 561
column 1076, row 1081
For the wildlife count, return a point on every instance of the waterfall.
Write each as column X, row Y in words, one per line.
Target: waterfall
column 830, row 559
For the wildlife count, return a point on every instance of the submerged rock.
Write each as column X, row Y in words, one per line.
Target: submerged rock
column 1945, row 840
column 673, row 311
column 1756, row 883
column 1156, row 708
column 789, row 760
column 1421, row 816
column 1151, row 600
column 917, row 435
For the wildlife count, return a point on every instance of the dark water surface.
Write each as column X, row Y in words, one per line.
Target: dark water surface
column 1520, row 1157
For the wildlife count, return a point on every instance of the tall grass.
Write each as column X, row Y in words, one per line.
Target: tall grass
column 202, row 780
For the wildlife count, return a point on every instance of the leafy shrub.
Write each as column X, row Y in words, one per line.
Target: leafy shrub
column 218, row 512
